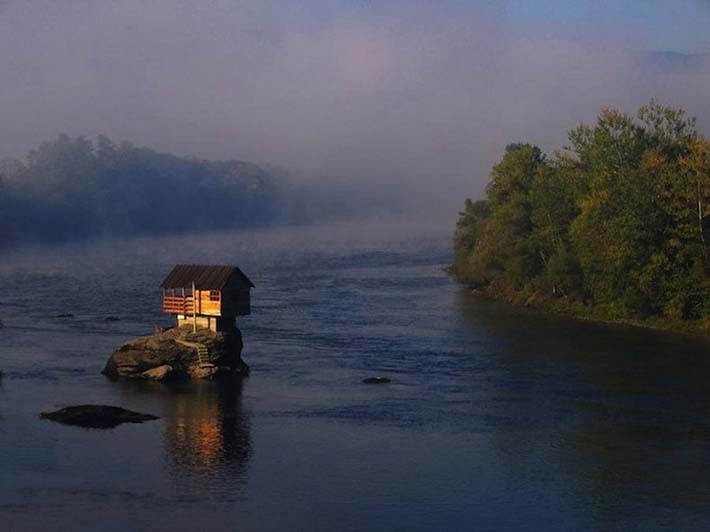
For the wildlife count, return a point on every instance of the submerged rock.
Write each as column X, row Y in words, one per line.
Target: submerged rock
column 96, row 416
column 179, row 353
column 376, row 380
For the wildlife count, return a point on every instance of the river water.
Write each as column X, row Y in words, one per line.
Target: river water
column 495, row 418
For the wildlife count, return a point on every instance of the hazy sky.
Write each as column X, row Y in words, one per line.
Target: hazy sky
column 411, row 94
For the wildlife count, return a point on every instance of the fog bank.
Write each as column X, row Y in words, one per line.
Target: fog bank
column 416, row 98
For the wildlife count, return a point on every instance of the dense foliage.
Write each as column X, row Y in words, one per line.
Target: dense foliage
column 73, row 187
column 618, row 221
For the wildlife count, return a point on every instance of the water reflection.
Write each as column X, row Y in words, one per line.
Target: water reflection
column 208, row 429
column 206, row 435
column 619, row 416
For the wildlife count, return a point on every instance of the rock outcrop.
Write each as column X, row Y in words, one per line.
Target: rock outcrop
column 96, row 416
column 179, row 353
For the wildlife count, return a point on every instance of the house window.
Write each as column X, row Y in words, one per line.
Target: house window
column 214, row 295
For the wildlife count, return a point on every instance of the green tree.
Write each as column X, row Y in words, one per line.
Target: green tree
column 469, row 228
column 492, row 241
column 553, row 200
column 619, row 219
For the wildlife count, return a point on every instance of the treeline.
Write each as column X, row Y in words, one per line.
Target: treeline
column 618, row 222
column 76, row 188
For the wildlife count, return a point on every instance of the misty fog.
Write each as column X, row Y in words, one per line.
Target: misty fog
column 413, row 99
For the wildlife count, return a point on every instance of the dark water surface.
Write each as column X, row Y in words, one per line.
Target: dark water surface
column 495, row 418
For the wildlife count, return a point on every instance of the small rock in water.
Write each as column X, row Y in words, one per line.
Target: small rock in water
column 96, row 416
column 67, row 315
column 376, row 380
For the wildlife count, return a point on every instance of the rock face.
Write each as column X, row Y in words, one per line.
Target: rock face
column 179, row 353
column 96, row 416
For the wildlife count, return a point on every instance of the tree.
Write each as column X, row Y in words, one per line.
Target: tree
column 619, row 219
column 553, row 200
column 492, row 242
column 468, row 231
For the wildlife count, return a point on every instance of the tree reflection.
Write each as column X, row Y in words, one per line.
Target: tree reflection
column 613, row 417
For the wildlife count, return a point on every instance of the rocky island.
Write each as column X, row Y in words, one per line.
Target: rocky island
column 179, row 353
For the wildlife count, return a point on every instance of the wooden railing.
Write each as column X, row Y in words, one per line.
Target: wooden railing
column 178, row 304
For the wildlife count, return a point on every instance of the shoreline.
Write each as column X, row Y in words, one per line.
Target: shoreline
column 574, row 309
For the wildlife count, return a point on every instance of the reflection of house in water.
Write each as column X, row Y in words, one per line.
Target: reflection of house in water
column 207, row 431
column 206, row 434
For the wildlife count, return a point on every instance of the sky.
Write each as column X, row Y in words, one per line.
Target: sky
column 677, row 25
column 416, row 97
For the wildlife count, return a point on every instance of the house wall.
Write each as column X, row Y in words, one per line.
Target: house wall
column 236, row 300
column 206, row 306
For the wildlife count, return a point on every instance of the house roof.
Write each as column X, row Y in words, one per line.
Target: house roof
column 205, row 277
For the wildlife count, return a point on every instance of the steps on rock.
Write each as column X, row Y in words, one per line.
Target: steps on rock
column 203, row 355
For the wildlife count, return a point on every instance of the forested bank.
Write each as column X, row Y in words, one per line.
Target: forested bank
column 75, row 188
column 614, row 226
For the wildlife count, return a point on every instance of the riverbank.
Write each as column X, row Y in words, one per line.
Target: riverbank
column 570, row 307
column 632, row 250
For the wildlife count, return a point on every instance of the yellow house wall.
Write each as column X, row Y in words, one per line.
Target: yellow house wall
column 207, row 307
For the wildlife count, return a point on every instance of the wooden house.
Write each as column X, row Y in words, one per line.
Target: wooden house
column 209, row 297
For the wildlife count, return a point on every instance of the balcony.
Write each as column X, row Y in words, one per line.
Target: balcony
column 179, row 304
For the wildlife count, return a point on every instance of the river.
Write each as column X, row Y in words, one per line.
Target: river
column 495, row 418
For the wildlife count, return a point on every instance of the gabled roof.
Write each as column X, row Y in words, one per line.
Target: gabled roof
column 205, row 277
